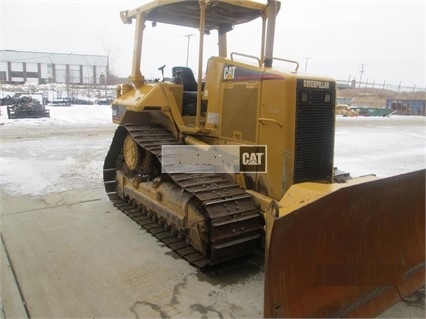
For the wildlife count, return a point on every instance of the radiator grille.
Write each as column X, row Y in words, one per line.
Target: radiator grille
column 314, row 136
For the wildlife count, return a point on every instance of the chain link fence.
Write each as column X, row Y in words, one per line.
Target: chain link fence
column 352, row 84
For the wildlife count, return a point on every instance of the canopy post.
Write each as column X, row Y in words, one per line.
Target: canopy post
column 137, row 78
column 200, row 61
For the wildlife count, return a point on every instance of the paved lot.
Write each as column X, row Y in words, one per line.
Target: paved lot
column 67, row 252
column 74, row 255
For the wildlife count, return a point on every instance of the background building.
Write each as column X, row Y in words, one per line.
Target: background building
column 45, row 67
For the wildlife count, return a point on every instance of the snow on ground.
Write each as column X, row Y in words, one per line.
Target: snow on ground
column 67, row 150
column 75, row 114
column 63, row 152
column 52, row 164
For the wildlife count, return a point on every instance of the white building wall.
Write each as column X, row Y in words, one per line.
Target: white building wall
column 74, row 74
column 3, row 71
column 32, row 67
column 3, row 66
column 49, row 67
column 17, row 69
column 60, row 73
column 87, row 74
column 31, row 73
column 17, row 66
column 44, row 74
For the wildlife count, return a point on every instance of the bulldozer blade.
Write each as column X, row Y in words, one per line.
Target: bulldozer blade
column 352, row 252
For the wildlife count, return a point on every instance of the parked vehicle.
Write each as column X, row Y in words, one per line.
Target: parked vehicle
column 27, row 107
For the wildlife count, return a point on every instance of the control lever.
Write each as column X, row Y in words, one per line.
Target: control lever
column 161, row 68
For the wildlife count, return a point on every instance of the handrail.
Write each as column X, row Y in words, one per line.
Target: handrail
column 247, row 56
column 290, row 61
column 264, row 119
column 260, row 63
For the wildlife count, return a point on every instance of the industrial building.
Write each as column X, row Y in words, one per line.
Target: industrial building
column 47, row 67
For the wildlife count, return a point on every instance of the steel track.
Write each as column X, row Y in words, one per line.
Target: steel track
column 234, row 222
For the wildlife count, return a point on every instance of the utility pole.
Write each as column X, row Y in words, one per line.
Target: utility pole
column 187, row 47
column 306, row 63
column 361, row 73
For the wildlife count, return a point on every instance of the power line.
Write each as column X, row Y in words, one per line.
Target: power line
column 306, row 62
column 361, row 73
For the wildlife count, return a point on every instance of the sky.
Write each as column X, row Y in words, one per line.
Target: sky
column 381, row 41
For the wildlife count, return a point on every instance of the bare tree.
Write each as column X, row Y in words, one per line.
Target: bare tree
column 111, row 52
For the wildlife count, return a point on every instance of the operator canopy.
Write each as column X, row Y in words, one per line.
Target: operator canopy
column 220, row 14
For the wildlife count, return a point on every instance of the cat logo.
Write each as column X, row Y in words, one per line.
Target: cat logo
column 253, row 158
column 229, row 72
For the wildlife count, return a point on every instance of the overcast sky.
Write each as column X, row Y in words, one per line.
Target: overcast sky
column 328, row 37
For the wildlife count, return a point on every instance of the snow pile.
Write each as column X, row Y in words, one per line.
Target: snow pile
column 52, row 164
column 63, row 152
column 53, row 91
column 74, row 114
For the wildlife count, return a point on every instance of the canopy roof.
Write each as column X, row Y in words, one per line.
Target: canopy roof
column 220, row 14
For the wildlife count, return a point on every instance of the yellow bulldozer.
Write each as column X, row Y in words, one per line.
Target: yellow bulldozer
column 240, row 157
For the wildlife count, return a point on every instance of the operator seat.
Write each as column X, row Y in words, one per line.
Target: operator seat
column 185, row 76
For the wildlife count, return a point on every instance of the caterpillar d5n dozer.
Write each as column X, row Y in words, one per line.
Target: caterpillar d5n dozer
column 334, row 245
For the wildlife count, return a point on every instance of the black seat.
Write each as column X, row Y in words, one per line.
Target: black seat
column 185, row 76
